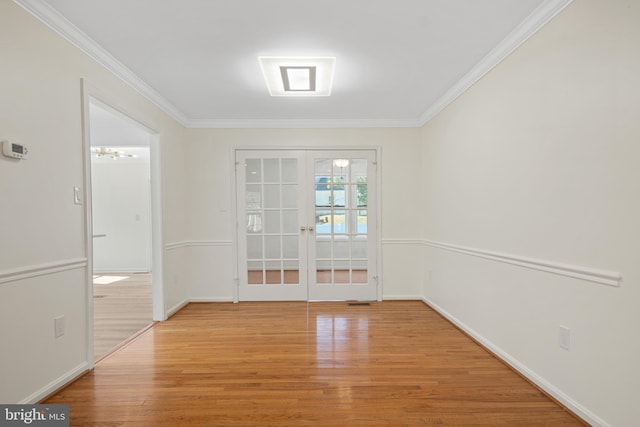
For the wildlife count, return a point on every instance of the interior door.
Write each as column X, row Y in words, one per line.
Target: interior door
column 342, row 247
column 306, row 225
column 272, row 248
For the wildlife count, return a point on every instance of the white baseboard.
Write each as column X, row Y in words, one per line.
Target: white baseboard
column 211, row 299
column 126, row 270
column 173, row 310
column 402, row 297
column 561, row 397
column 56, row 384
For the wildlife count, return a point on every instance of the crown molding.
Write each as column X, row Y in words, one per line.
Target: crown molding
column 300, row 124
column 58, row 23
column 534, row 22
column 51, row 18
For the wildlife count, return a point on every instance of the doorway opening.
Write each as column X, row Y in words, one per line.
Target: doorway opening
column 121, row 218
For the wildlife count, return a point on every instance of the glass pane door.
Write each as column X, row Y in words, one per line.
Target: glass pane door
column 271, row 244
column 343, row 248
column 307, row 225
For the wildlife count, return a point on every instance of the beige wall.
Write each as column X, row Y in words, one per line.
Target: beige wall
column 42, row 234
column 540, row 160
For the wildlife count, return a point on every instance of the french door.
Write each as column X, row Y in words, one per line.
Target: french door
column 307, row 225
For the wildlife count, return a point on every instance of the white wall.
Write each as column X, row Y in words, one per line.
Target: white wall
column 121, row 208
column 211, row 225
column 43, row 259
column 540, row 160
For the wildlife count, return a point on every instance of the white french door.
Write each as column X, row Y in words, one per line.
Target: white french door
column 307, row 225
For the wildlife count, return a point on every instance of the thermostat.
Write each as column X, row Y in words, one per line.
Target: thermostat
column 11, row 149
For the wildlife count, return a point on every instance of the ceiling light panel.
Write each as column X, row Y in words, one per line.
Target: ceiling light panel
column 286, row 76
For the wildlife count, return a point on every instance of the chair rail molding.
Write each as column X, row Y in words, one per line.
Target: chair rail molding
column 603, row 277
column 43, row 269
column 196, row 243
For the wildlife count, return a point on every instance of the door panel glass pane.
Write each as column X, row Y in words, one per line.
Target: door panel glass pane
column 290, row 170
column 359, row 248
column 255, row 272
column 273, row 272
column 290, row 221
column 271, row 170
column 272, row 247
column 359, row 274
column 272, row 221
column 254, row 247
column 341, row 248
column 290, row 247
column 359, row 170
column 254, row 222
column 342, row 275
column 324, row 276
column 338, row 220
column 289, row 196
column 253, row 171
column 271, row 196
column 291, row 277
column 253, row 196
column 323, row 249
column 323, row 224
column 274, row 277
column 361, row 194
column 362, row 221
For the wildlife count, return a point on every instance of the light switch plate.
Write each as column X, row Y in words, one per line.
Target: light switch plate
column 77, row 199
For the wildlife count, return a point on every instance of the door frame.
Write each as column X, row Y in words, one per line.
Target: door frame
column 234, row 206
column 91, row 94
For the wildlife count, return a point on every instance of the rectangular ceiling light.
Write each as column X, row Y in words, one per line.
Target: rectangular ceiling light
column 307, row 76
column 298, row 78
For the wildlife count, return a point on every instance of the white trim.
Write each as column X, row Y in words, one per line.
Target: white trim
column 402, row 242
column 175, row 245
column 603, row 277
column 211, row 299
column 58, row 23
column 195, row 243
column 209, row 243
column 61, row 25
column 43, row 269
column 127, row 270
column 300, row 123
column 176, row 308
column 56, row 384
column 534, row 22
column 549, row 388
column 402, row 297
column 92, row 94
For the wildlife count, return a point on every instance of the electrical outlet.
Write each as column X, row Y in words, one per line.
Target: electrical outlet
column 565, row 338
column 58, row 326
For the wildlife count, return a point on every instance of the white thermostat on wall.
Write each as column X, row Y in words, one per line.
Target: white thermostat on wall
column 11, row 149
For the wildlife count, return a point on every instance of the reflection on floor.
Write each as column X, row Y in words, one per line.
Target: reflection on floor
column 121, row 308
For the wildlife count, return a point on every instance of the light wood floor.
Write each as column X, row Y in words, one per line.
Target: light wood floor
column 326, row 364
column 120, row 310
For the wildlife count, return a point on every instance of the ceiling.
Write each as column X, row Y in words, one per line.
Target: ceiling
column 398, row 62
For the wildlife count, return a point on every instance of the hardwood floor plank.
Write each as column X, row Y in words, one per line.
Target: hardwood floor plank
column 262, row 364
column 121, row 309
